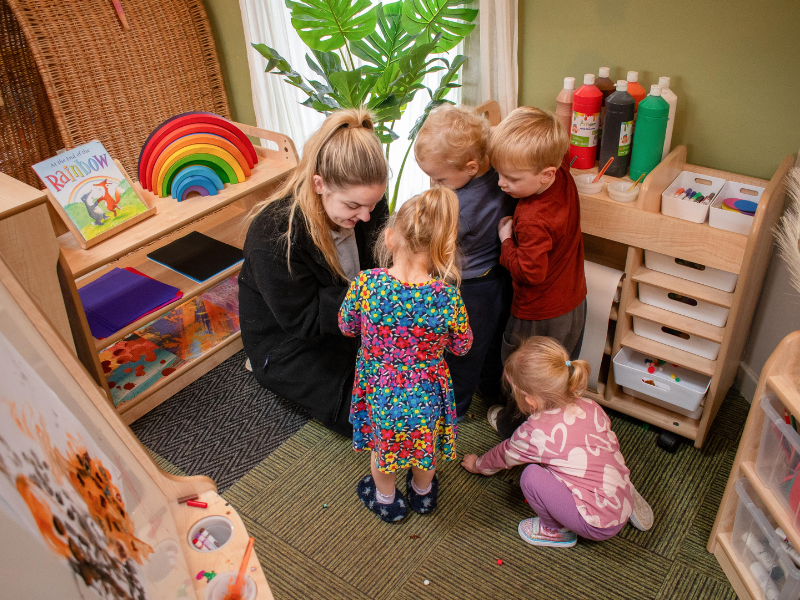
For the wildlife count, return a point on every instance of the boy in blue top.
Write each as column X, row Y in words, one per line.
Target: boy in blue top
column 452, row 149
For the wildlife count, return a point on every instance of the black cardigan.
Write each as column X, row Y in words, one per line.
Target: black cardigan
column 289, row 319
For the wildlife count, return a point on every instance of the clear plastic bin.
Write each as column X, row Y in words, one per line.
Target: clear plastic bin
column 778, row 463
column 758, row 547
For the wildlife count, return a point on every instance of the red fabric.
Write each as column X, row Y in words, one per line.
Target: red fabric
column 545, row 255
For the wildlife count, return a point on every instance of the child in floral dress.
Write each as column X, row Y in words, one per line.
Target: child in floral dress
column 403, row 408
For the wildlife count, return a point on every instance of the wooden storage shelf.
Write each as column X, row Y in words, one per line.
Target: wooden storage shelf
column 650, row 413
column 779, row 375
column 227, row 224
column 786, row 389
column 676, row 321
column 668, row 353
column 698, row 291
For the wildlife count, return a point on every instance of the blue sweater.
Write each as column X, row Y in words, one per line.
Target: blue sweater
column 481, row 206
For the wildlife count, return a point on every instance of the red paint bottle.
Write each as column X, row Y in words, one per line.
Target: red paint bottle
column 586, row 106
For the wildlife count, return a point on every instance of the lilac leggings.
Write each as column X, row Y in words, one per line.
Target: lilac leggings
column 555, row 504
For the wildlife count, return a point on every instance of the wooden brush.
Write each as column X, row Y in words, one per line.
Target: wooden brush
column 235, row 588
column 603, row 170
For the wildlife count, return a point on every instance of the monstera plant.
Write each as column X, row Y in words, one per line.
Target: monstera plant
column 396, row 41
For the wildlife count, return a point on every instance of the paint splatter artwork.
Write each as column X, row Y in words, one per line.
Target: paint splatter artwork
column 225, row 295
column 60, row 485
column 134, row 364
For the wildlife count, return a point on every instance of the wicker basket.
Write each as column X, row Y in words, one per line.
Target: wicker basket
column 116, row 85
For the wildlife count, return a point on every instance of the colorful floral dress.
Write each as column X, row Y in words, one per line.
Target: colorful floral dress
column 403, row 405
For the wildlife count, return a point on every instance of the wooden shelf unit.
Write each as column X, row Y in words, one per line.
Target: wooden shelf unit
column 617, row 234
column 780, row 376
column 223, row 216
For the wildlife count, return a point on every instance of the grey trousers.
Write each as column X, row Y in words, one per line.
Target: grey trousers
column 566, row 329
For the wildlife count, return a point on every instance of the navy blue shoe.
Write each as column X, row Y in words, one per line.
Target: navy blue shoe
column 422, row 504
column 391, row 513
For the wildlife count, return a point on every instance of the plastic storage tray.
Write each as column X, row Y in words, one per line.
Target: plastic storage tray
column 758, row 547
column 683, row 305
column 686, row 209
column 733, row 221
column 778, row 461
column 716, row 278
column 675, row 338
column 683, row 397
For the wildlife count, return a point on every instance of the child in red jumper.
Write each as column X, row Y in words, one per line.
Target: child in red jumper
column 542, row 245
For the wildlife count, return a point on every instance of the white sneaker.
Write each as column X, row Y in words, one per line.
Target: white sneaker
column 491, row 415
column 248, row 366
column 642, row 517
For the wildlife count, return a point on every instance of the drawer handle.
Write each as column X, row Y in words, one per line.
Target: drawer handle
column 702, row 181
column 684, row 299
column 690, row 264
column 675, row 332
column 748, row 191
column 656, row 384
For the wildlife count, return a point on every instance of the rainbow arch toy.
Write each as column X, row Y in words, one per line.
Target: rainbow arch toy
column 195, row 152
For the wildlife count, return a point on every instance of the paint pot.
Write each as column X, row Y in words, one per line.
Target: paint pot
column 586, row 105
column 220, row 528
column 585, row 184
column 564, row 103
column 217, row 588
column 618, row 191
column 672, row 100
column 618, row 124
column 649, row 133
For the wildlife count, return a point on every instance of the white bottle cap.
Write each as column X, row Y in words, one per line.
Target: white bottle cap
column 569, row 83
column 664, row 82
column 588, row 79
column 622, row 85
column 604, row 71
column 655, row 90
column 633, row 76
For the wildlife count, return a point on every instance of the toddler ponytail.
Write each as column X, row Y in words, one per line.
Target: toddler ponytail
column 540, row 368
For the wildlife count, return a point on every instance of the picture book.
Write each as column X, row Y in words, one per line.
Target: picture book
column 90, row 189
column 134, row 364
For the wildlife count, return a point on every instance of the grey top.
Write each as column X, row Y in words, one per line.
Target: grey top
column 347, row 250
column 481, row 206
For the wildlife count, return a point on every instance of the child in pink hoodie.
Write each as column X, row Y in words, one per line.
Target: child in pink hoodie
column 576, row 479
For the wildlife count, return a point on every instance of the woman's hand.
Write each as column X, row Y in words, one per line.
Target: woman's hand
column 505, row 228
column 469, row 463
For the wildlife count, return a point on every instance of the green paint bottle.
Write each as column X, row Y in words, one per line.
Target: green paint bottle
column 651, row 131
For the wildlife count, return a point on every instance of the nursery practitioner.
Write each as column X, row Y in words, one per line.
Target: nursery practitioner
column 452, row 149
column 542, row 246
column 576, row 481
column 407, row 315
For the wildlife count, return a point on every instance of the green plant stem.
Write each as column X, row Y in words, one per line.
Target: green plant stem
column 352, row 62
column 393, row 203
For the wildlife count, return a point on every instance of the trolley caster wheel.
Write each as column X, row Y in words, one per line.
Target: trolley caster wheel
column 668, row 441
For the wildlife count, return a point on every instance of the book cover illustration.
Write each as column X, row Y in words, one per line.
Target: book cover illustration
column 192, row 329
column 225, row 294
column 90, row 188
column 134, row 364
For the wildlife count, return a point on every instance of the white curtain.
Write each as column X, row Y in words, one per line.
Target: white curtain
column 492, row 69
column 277, row 103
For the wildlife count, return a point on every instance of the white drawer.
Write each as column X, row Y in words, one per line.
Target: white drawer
column 683, row 305
column 716, row 278
column 676, row 339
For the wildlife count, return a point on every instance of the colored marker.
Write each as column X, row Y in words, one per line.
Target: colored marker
column 184, row 499
column 709, row 198
column 679, row 192
column 197, row 504
column 688, row 192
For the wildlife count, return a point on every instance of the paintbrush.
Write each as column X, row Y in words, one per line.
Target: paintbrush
column 235, row 588
column 572, row 162
column 630, row 189
column 603, row 170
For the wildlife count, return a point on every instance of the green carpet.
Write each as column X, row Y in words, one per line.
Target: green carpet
column 345, row 552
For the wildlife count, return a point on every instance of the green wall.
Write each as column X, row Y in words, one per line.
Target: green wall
column 226, row 25
column 734, row 66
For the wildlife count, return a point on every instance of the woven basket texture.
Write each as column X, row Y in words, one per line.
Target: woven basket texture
column 116, row 85
column 28, row 131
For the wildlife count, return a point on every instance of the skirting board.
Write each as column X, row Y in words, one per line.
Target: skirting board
column 746, row 382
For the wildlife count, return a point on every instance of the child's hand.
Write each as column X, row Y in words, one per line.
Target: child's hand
column 469, row 463
column 505, row 228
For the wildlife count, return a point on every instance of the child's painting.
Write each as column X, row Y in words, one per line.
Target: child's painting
column 225, row 294
column 58, row 484
column 134, row 364
column 90, row 189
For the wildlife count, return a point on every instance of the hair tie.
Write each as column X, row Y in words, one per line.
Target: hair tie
column 569, row 363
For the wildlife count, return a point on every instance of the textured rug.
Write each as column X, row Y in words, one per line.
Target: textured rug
column 342, row 551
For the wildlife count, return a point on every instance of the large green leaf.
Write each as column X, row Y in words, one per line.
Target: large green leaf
column 448, row 80
column 351, row 88
column 327, row 25
column 383, row 47
column 413, row 66
column 427, row 18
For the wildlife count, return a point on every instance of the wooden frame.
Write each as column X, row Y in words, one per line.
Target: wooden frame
column 84, row 243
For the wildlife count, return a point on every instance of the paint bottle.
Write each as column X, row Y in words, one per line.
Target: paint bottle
column 585, row 119
column 651, row 129
column 564, row 102
column 607, row 87
column 668, row 95
column 635, row 89
column 619, row 131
